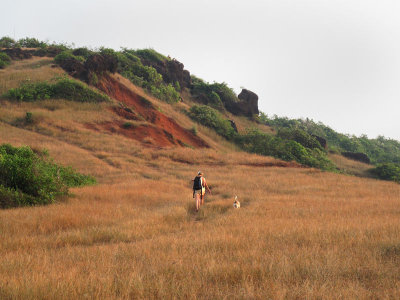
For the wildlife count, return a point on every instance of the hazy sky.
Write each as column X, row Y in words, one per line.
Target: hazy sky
column 335, row 61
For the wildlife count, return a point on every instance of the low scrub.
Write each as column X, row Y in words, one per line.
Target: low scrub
column 289, row 145
column 387, row 171
column 209, row 117
column 378, row 150
column 5, row 60
column 300, row 136
column 27, row 178
column 131, row 67
column 261, row 143
column 64, row 88
column 7, row 42
column 150, row 55
column 217, row 95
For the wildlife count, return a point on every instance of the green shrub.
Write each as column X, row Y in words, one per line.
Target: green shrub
column 217, row 95
column 67, row 55
column 64, row 88
column 131, row 67
column 29, row 92
column 209, row 117
column 29, row 118
column 71, row 89
column 193, row 130
column 127, row 125
column 5, row 60
column 387, row 171
column 7, row 42
column 31, row 43
column 27, row 178
column 261, row 143
column 150, row 55
column 82, row 52
column 299, row 136
column 379, row 150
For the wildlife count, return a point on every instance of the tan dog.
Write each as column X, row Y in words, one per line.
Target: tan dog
column 236, row 203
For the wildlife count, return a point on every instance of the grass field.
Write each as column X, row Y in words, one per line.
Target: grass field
column 300, row 233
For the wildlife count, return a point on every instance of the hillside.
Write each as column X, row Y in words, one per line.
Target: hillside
column 300, row 232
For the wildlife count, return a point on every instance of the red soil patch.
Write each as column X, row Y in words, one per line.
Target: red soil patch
column 147, row 134
column 164, row 129
column 126, row 113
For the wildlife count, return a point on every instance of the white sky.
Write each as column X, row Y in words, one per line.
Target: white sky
column 335, row 61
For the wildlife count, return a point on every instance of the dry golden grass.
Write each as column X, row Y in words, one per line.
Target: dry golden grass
column 300, row 234
column 350, row 166
column 34, row 70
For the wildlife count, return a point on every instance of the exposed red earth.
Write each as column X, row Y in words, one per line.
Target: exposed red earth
column 162, row 130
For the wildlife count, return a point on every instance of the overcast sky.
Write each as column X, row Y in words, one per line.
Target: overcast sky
column 335, row 61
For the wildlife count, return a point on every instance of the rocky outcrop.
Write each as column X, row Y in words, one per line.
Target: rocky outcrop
column 18, row 53
column 95, row 64
column 99, row 63
column 171, row 70
column 246, row 106
column 357, row 156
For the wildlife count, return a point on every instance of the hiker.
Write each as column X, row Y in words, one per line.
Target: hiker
column 199, row 189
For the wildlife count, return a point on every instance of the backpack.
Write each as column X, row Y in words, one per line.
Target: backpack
column 197, row 184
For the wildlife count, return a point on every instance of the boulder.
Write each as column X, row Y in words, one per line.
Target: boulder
column 357, row 156
column 247, row 104
column 171, row 70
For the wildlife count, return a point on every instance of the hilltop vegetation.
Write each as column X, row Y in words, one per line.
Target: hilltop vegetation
column 383, row 152
column 165, row 78
column 62, row 88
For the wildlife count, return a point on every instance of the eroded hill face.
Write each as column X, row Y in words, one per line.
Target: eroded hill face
column 159, row 130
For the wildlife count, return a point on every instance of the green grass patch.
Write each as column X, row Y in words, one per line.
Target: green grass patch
column 64, row 88
column 5, row 60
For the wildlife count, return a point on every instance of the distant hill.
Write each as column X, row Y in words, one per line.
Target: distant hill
column 133, row 79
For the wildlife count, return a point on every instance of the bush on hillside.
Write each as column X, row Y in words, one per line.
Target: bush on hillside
column 209, row 117
column 7, row 42
column 77, row 91
column 27, row 178
column 5, row 60
column 67, row 56
column 261, row 143
column 131, row 67
column 387, row 171
column 31, row 43
column 300, row 136
column 82, row 52
column 216, row 95
column 150, row 55
column 379, row 150
column 64, row 88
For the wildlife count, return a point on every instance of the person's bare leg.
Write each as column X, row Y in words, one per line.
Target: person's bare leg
column 202, row 200
column 197, row 202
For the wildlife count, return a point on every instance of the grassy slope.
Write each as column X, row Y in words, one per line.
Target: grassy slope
column 300, row 233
